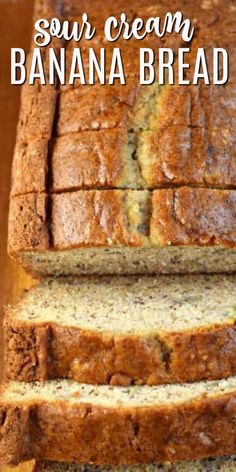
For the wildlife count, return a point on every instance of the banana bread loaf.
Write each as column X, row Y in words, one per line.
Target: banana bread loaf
column 67, row 421
column 82, row 150
column 115, row 231
column 124, row 330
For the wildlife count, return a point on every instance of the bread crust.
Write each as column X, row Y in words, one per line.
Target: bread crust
column 109, row 107
column 177, row 155
column 112, row 107
column 188, row 216
column 90, row 159
column 192, row 430
column 37, row 112
column 109, row 218
column 38, row 104
column 28, row 223
column 93, row 218
column 30, row 167
column 170, row 156
column 42, row 351
column 199, row 106
column 46, row 8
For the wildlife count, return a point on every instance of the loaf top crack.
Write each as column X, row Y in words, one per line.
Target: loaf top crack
column 106, row 218
column 147, row 305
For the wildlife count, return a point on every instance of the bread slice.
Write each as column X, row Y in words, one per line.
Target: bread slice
column 129, row 231
column 226, row 464
column 67, row 421
column 124, row 331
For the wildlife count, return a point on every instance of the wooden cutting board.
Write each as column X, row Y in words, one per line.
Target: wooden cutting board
column 15, row 31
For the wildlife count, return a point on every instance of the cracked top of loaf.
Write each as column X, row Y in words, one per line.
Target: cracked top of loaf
column 130, row 136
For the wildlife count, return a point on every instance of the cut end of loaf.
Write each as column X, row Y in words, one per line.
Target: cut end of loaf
column 148, row 306
column 130, row 231
column 143, row 396
column 119, row 260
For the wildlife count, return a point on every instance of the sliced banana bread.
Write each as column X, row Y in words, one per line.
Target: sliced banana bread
column 129, row 231
column 226, row 464
column 71, row 422
column 124, row 330
column 89, row 141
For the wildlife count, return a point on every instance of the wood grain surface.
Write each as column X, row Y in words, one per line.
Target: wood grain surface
column 15, row 31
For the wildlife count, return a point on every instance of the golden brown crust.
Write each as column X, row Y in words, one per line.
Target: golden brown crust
column 92, row 160
column 169, row 156
column 188, row 216
column 197, row 111
column 179, row 217
column 37, row 111
column 108, row 106
column 14, row 434
column 202, row 156
column 92, row 218
column 115, row 107
column 28, row 224
column 176, row 155
column 41, row 351
column 192, row 430
column 30, row 167
column 36, row 118
column 30, row 162
column 198, row 106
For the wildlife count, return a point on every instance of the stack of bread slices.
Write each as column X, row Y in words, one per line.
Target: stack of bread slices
column 123, row 201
